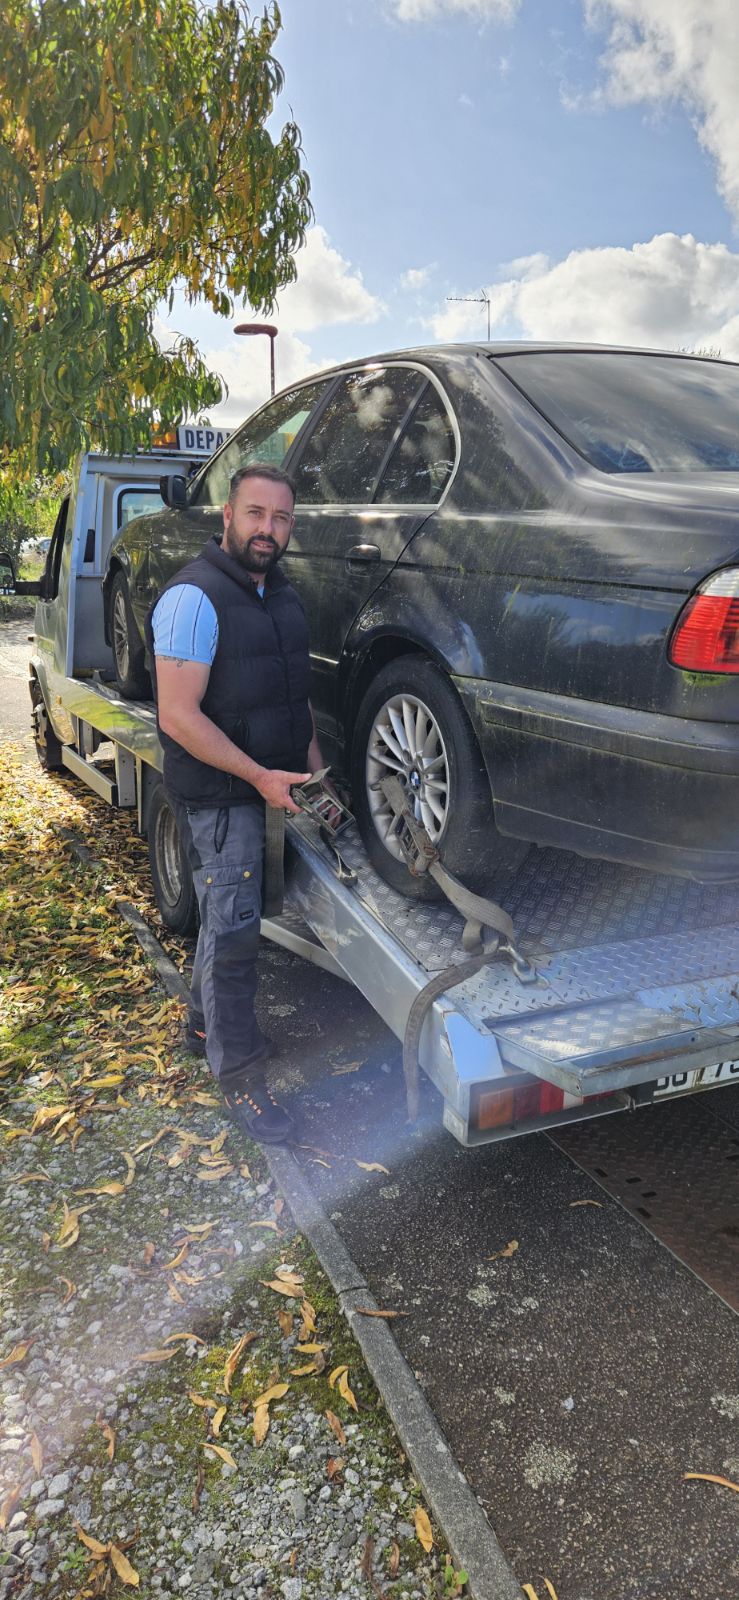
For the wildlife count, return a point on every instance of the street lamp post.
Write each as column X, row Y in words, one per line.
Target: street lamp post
column 271, row 332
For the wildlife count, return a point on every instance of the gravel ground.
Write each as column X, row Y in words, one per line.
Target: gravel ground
column 275, row 1523
column 110, row 1477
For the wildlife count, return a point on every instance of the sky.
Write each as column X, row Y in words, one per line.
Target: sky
column 575, row 163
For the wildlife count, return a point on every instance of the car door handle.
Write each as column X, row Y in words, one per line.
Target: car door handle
column 364, row 553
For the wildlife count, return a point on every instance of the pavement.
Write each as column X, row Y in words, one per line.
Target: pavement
column 578, row 1376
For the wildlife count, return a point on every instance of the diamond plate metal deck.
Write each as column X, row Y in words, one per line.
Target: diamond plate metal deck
column 602, row 1014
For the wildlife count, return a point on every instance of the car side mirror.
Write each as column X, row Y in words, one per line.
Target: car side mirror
column 173, row 490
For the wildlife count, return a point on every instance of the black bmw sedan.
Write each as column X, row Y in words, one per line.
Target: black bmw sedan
column 520, row 565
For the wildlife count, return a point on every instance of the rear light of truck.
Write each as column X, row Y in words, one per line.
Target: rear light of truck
column 503, row 1108
column 706, row 635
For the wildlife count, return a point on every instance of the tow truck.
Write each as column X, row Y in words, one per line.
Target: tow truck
column 621, row 988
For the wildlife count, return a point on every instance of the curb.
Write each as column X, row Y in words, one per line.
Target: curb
column 470, row 1537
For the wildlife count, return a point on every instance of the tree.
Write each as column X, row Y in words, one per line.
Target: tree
column 134, row 156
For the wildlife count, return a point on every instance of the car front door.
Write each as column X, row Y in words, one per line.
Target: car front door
column 358, row 504
column 268, row 436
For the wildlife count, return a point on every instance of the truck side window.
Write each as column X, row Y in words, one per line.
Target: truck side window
column 54, row 554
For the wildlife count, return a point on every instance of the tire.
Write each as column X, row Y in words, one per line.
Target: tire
column 415, row 702
column 48, row 747
column 131, row 675
column 174, row 890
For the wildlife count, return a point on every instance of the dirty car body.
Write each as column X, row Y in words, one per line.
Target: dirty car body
column 536, row 523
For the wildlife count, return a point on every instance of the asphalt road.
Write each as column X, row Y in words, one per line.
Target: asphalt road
column 578, row 1377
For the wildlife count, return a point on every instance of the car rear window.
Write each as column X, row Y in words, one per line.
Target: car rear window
column 636, row 413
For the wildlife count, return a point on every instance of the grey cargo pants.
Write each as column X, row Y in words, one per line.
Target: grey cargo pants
column 225, row 848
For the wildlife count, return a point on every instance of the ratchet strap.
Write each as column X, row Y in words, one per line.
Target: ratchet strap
column 274, row 861
column 487, row 934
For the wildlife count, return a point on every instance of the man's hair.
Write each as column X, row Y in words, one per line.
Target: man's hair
column 259, row 469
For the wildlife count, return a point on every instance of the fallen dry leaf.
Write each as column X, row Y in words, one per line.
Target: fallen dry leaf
column 336, row 1427
column 510, row 1250
column 303, row 1372
column 29, row 1177
column 109, row 1434
column 173, row 1338
column 125, row 1571
column 113, row 1188
column 333, row 1465
column 71, row 1289
column 276, row 1392
column 345, row 1391
column 308, row 1314
column 598, row 1203
column 270, row 1224
column 372, row 1166
column 551, row 1591
column 131, row 1166
column 283, row 1286
column 220, row 1450
column 150, row 1251
column 18, row 1353
column 199, row 1486
column 261, row 1424
column 423, row 1529
column 394, row 1561
column 37, row 1454
column 213, row 1174
column 334, row 1376
column 92, row 1544
column 200, row 1400
column 530, row 1592
column 156, row 1355
column 712, row 1477
column 177, row 1260
column 234, row 1357
column 364, row 1311
column 8, row 1506
column 287, row 1322
column 109, row 1080
column 216, row 1420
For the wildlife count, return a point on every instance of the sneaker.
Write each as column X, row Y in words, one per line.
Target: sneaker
column 255, row 1110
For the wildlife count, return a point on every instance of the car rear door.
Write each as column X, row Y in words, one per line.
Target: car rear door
column 361, row 497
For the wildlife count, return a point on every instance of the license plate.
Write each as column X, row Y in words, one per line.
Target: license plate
column 701, row 1078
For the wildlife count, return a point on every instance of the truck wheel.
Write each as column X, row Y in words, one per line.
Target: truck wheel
column 48, row 747
column 411, row 723
column 128, row 649
column 174, row 890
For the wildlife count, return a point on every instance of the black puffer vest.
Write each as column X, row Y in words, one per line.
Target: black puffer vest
column 258, row 687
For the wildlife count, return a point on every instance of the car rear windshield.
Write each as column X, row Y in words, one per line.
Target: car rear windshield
column 636, row 413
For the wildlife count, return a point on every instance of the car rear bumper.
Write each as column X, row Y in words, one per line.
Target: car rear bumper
column 655, row 791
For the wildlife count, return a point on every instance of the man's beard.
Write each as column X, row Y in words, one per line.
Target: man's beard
column 256, row 562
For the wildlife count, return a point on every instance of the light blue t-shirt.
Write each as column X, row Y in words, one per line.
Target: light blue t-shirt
column 185, row 624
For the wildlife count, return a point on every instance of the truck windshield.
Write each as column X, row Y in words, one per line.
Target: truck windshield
column 627, row 412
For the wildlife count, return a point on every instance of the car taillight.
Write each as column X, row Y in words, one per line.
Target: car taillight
column 706, row 636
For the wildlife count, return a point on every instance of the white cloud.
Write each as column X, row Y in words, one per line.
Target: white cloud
column 415, row 278
column 431, row 10
column 327, row 289
column 670, row 292
column 678, row 50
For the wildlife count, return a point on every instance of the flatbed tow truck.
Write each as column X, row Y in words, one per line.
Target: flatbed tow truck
column 629, row 991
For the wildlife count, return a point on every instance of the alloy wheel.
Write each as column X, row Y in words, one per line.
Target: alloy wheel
column 406, row 740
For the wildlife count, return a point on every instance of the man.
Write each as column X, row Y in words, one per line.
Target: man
column 229, row 642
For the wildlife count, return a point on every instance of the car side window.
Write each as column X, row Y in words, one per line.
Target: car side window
column 265, row 437
column 344, row 456
column 423, row 459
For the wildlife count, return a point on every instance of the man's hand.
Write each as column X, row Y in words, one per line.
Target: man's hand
column 275, row 788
